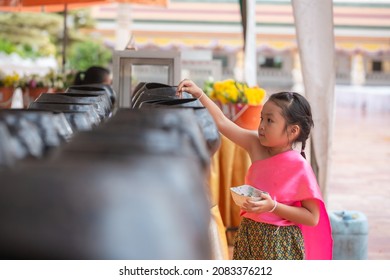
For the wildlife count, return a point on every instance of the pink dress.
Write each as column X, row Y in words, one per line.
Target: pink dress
column 289, row 179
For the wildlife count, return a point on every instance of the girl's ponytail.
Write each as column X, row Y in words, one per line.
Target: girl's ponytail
column 303, row 148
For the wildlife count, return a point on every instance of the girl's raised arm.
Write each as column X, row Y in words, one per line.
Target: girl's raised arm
column 242, row 137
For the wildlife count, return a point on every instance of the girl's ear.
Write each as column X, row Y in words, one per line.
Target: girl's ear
column 294, row 131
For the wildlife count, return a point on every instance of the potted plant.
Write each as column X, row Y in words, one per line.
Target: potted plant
column 8, row 83
column 33, row 85
column 59, row 82
column 241, row 103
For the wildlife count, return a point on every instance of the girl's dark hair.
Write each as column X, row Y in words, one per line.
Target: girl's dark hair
column 93, row 75
column 296, row 110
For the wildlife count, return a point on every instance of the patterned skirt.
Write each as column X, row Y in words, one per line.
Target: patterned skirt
column 260, row 241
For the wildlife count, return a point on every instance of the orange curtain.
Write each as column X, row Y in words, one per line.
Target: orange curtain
column 58, row 5
column 49, row 5
column 56, row 2
column 229, row 166
column 163, row 3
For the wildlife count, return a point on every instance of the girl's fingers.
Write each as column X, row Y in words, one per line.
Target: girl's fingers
column 264, row 195
column 183, row 85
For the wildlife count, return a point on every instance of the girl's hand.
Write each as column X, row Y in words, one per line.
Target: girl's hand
column 190, row 87
column 255, row 205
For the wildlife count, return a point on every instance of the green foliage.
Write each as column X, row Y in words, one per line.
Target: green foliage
column 34, row 35
column 6, row 46
column 49, row 23
column 82, row 18
column 29, row 34
column 208, row 87
column 82, row 55
column 24, row 50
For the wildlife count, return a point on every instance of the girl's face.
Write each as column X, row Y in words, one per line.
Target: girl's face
column 272, row 129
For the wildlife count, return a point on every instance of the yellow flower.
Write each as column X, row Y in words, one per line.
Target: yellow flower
column 254, row 95
column 231, row 91
column 9, row 80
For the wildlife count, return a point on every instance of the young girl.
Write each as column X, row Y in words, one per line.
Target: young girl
column 291, row 222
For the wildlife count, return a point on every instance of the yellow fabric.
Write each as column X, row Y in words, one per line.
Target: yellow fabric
column 214, row 180
column 217, row 235
column 228, row 168
column 217, row 228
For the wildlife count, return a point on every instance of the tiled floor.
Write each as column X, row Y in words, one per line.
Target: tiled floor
column 360, row 171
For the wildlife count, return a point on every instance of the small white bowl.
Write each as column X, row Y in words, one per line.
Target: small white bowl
column 241, row 193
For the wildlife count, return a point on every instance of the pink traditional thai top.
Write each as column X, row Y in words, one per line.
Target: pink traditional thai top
column 289, row 179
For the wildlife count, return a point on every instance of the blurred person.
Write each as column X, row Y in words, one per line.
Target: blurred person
column 290, row 220
column 93, row 75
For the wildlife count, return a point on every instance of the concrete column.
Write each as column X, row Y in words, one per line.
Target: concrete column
column 124, row 25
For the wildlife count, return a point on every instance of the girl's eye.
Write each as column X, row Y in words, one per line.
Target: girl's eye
column 269, row 120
